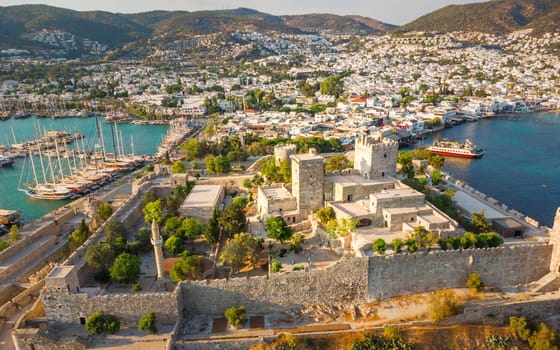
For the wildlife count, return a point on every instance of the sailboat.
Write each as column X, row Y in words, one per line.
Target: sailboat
column 49, row 190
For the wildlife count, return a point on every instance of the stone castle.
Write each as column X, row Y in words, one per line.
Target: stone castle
column 368, row 194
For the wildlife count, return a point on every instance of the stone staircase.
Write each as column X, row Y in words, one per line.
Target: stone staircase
column 548, row 283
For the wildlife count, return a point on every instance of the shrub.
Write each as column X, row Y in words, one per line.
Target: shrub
column 468, row 240
column 99, row 322
column 95, row 324
column 520, row 327
column 443, row 303
column 137, row 287
column 104, row 211
column 296, row 245
column 442, row 244
column 236, row 315
column 298, row 268
column 276, row 266
column 475, row 283
column 412, row 246
column 494, row 239
column 148, row 323
column 379, row 246
column 112, row 324
column 397, row 244
column 454, row 242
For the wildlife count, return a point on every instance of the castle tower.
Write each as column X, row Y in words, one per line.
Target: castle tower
column 283, row 152
column 307, row 181
column 555, row 240
column 157, row 242
column 376, row 156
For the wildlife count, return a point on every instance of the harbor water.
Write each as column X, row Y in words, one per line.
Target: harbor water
column 144, row 139
column 521, row 164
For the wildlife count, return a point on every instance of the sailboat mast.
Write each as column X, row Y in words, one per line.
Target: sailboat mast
column 115, row 150
column 100, row 133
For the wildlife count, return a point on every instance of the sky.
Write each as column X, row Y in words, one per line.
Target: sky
column 389, row 11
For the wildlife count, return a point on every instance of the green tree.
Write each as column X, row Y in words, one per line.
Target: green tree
column 241, row 248
column 404, row 158
column 100, row 256
column 436, row 177
column 79, row 236
column 232, row 220
column 188, row 268
column 544, row 338
column 474, row 282
column 148, row 323
column 332, row 86
column 173, row 225
column 443, row 303
column 192, row 228
column 104, row 211
column 379, row 246
column 115, row 232
column 479, row 222
column 397, row 244
column 236, row 315
column 520, row 327
column 126, row 268
column 192, row 149
column 174, row 245
column 276, row 228
column 326, row 214
column 423, row 237
column 178, row 167
column 211, row 231
column 153, row 210
column 337, row 162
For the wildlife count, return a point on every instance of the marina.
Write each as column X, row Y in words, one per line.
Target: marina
column 143, row 138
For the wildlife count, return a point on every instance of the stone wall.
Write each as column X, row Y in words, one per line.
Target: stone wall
column 129, row 308
column 345, row 281
column 27, row 259
column 400, row 274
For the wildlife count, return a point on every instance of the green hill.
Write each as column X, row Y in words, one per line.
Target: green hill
column 497, row 16
column 113, row 29
column 104, row 27
column 328, row 23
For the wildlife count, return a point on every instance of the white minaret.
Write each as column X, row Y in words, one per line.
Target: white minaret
column 157, row 242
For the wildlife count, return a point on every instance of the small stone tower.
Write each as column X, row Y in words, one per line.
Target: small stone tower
column 555, row 240
column 376, row 156
column 283, row 152
column 157, row 242
column 307, row 181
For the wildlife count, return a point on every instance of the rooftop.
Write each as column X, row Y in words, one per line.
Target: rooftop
column 276, row 193
column 470, row 205
column 392, row 193
column 204, row 196
column 353, row 180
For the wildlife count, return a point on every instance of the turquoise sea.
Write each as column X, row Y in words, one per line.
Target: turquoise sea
column 521, row 166
column 145, row 139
